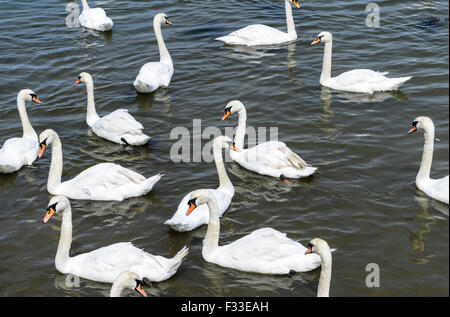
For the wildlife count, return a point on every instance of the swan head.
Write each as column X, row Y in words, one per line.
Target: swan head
column 232, row 107
column 56, row 204
column 318, row 246
column 46, row 138
column 132, row 281
column 422, row 123
column 226, row 143
column 323, row 37
column 295, row 2
column 84, row 77
column 198, row 197
column 162, row 18
column 28, row 95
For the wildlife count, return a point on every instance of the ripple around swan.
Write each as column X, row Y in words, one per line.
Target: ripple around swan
column 363, row 200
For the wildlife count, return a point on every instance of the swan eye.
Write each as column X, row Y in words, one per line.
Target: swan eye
column 414, row 124
column 192, row 202
column 310, row 246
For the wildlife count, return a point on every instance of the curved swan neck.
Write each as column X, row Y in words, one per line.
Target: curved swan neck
column 211, row 241
column 28, row 131
column 326, row 65
column 85, row 5
column 323, row 289
column 164, row 56
column 240, row 130
column 92, row 115
column 56, row 166
column 65, row 240
column 427, row 156
column 224, row 180
column 116, row 290
column 290, row 21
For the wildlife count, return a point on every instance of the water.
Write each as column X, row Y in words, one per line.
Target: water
column 363, row 201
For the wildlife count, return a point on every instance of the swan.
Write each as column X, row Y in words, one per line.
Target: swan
column 155, row 74
column 259, row 34
column 129, row 280
column 321, row 247
column 104, row 181
column 271, row 158
column 357, row 80
column 265, row 251
column 17, row 152
column 435, row 188
column 118, row 126
column 94, row 18
column 107, row 263
column 223, row 194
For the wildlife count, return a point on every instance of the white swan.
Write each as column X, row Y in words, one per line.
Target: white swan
column 17, row 152
column 271, row 158
column 358, row 80
column 94, row 18
column 265, row 251
column 131, row 281
column 155, row 74
column 260, row 34
column 118, row 126
column 435, row 188
column 321, row 247
column 107, row 263
column 104, row 181
column 223, row 194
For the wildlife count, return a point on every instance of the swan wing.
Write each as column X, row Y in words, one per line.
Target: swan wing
column 17, row 152
column 117, row 124
column 255, row 34
column 153, row 75
column 95, row 18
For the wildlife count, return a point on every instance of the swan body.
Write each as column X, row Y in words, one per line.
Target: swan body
column 128, row 280
column 156, row 74
column 271, row 158
column 118, row 127
column 107, row 263
column 222, row 195
column 321, row 247
column 94, row 18
column 434, row 188
column 17, row 152
column 104, row 181
column 265, row 251
column 358, row 80
column 260, row 34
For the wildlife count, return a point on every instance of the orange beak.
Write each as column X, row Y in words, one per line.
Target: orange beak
column 191, row 208
column 168, row 22
column 286, row 181
column 48, row 215
column 77, row 81
column 413, row 129
column 227, row 113
column 140, row 290
column 35, row 99
column 317, row 40
column 295, row 2
column 234, row 148
column 308, row 251
column 41, row 150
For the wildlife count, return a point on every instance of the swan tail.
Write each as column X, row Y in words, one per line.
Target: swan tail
column 140, row 139
column 178, row 258
column 150, row 182
column 397, row 82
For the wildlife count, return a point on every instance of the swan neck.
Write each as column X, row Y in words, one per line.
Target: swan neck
column 54, row 177
column 323, row 289
column 427, row 156
column 65, row 240
column 240, row 130
column 28, row 131
column 211, row 241
column 290, row 21
column 85, row 5
column 224, row 180
column 116, row 290
column 164, row 56
column 92, row 115
column 326, row 65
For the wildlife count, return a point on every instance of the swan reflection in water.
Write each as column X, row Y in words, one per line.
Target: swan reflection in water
column 90, row 37
column 160, row 97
